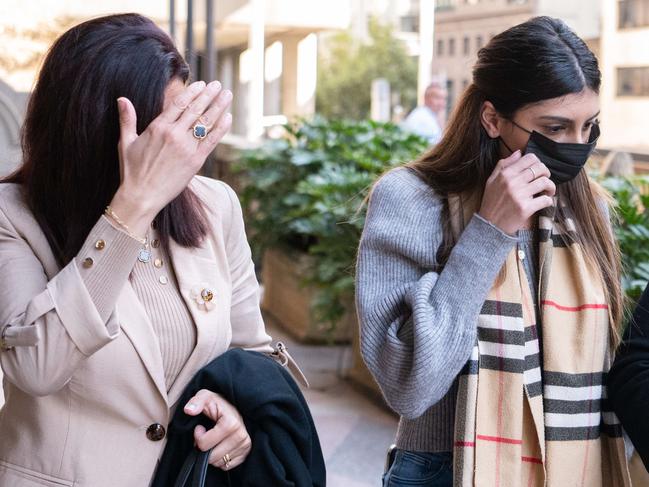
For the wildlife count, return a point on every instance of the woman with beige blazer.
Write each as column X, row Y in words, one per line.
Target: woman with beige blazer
column 122, row 273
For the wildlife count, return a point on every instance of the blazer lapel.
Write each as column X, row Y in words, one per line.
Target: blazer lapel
column 136, row 325
column 197, row 273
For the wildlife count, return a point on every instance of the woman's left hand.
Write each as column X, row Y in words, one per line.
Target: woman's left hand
column 228, row 438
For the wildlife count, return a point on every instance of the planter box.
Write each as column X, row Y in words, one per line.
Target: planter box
column 288, row 300
column 360, row 375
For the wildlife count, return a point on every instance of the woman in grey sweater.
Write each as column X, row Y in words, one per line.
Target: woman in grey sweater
column 518, row 139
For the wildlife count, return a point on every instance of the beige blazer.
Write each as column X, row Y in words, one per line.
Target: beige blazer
column 80, row 393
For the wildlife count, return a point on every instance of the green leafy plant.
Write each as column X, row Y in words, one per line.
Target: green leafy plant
column 632, row 230
column 305, row 192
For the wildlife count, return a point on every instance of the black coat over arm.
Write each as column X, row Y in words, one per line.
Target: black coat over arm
column 285, row 447
column 628, row 379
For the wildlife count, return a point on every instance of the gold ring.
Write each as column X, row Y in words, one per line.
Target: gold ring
column 226, row 460
column 533, row 173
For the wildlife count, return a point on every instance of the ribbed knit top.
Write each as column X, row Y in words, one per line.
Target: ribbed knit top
column 155, row 285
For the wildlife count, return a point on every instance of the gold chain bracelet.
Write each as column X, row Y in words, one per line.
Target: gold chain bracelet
column 113, row 215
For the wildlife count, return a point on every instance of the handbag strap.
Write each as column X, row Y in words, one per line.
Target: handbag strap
column 195, row 466
column 200, row 469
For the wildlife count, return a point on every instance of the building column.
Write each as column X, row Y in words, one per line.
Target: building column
column 607, row 59
column 255, row 115
column 210, row 47
column 299, row 75
column 426, row 39
column 172, row 19
column 190, row 53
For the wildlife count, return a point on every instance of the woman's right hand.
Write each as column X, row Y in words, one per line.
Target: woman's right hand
column 518, row 187
column 157, row 165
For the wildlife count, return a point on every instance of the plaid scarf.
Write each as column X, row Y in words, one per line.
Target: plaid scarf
column 527, row 417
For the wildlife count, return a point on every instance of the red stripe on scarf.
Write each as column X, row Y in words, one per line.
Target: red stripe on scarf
column 574, row 309
column 532, row 460
column 464, row 444
column 500, row 439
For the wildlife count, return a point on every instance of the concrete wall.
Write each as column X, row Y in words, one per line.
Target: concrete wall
column 583, row 16
column 12, row 107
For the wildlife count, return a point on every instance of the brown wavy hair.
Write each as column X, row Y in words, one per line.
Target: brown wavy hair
column 537, row 60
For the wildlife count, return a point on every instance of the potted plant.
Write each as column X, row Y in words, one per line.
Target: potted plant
column 304, row 197
column 631, row 228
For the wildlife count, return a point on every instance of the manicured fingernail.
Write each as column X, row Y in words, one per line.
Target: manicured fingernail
column 191, row 406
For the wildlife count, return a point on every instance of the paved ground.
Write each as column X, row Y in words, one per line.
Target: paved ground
column 354, row 431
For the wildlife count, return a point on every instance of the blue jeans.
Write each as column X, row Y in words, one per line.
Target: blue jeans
column 420, row 469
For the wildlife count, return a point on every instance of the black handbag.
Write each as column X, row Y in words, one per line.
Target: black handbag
column 195, row 467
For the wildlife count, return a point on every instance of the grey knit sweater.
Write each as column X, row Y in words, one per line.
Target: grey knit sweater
column 418, row 326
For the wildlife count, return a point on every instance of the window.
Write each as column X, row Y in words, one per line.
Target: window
column 633, row 81
column 479, row 42
column 466, row 47
column 410, row 23
column 440, row 47
column 442, row 5
column 451, row 47
column 633, row 13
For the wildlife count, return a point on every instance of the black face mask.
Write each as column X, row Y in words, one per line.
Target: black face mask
column 564, row 160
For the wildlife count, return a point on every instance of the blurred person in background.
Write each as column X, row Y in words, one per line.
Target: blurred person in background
column 488, row 281
column 428, row 120
column 122, row 271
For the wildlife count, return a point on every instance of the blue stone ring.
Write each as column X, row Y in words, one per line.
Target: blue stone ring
column 199, row 131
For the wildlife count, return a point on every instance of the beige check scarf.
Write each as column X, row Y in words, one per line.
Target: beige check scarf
column 532, row 411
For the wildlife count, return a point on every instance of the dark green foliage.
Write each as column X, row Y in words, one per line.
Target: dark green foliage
column 305, row 193
column 632, row 230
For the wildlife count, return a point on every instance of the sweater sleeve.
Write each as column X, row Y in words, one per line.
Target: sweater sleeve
column 418, row 326
column 628, row 379
column 112, row 253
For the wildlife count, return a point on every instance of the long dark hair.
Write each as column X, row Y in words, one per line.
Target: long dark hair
column 70, row 169
column 537, row 60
